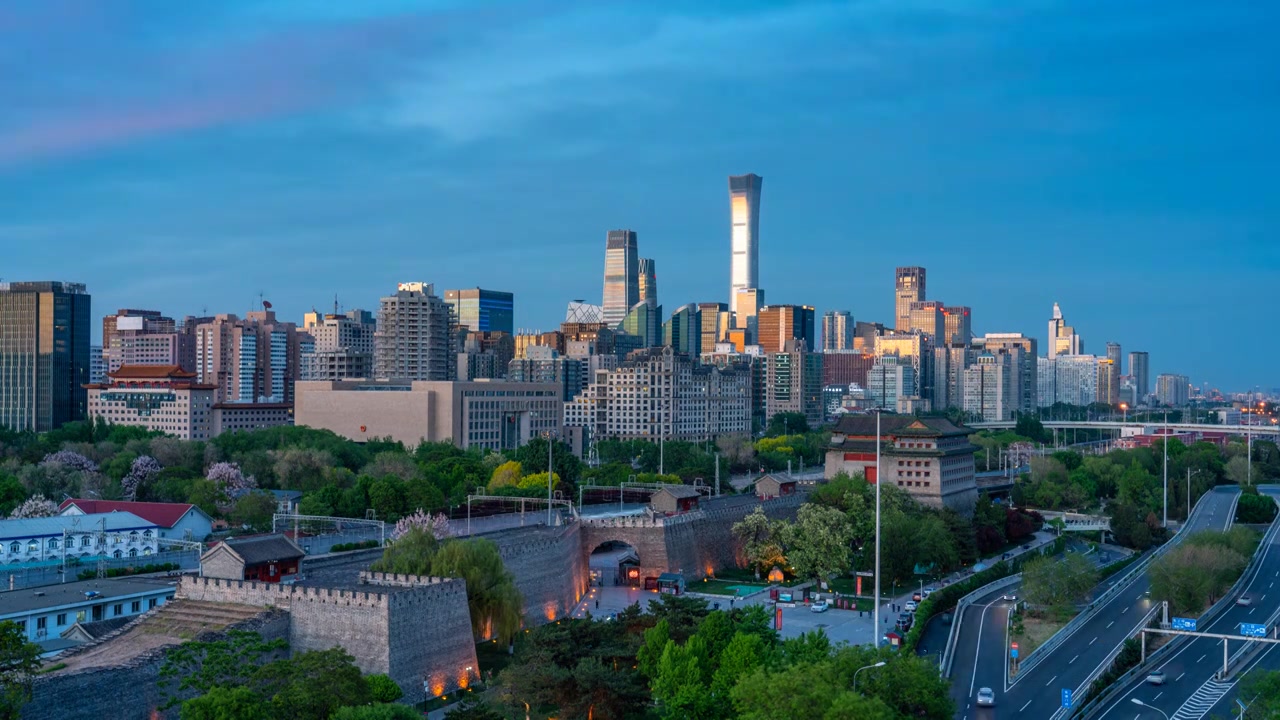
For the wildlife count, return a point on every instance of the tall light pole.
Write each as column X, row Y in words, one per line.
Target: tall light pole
column 1136, row 701
column 855, row 672
column 876, row 637
column 1166, row 469
column 550, row 474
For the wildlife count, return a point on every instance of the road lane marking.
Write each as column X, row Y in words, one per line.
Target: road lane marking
column 1179, row 677
column 1113, row 622
column 1055, row 677
column 1093, row 641
column 1157, row 697
column 1201, row 657
column 1074, row 659
column 1127, row 609
column 1024, row 707
column 1251, row 611
column 977, row 646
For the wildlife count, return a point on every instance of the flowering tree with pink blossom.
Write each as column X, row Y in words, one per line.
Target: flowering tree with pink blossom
column 230, row 481
column 36, row 506
column 70, row 460
column 437, row 525
column 143, row 470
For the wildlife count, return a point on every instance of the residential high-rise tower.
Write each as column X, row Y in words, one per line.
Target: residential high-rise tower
column 621, row 275
column 744, row 217
column 413, row 340
column 780, row 323
column 1139, row 368
column 837, row 330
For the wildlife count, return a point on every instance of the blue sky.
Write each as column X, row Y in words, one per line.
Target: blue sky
column 1117, row 157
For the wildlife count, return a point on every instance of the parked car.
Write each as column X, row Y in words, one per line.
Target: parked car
column 986, row 698
column 917, row 596
column 1244, row 600
column 1156, row 677
column 910, row 606
column 1026, row 546
column 928, row 591
column 820, row 606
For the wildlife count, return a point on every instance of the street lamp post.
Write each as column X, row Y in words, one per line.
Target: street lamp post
column 1190, row 472
column 1136, row 701
column 1166, row 469
column 855, row 672
column 1124, row 408
column 876, row 636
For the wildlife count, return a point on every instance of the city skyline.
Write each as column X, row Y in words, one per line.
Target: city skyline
column 1030, row 204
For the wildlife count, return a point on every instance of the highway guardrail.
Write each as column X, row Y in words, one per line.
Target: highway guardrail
column 1228, row 598
column 1135, row 571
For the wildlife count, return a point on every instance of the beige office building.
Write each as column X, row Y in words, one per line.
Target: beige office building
column 486, row 413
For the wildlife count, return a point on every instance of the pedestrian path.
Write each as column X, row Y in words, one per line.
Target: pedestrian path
column 1203, row 700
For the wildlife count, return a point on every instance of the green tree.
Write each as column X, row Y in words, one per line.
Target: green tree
column 226, row 703
column 681, row 684
column 761, row 541
column 19, row 661
column 819, row 542
column 1260, row 689
column 492, row 597
column 1237, row 470
column 409, row 554
column 228, row 661
column 382, row 689
column 1052, row 583
column 469, row 709
column 744, row 653
column 254, row 510
column 507, row 474
column 787, row 423
column 313, row 684
column 803, row 691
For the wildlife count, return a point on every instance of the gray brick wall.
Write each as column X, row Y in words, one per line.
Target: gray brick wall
column 549, row 567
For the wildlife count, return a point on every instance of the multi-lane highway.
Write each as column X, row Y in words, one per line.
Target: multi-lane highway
column 1036, row 693
column 1191, row 690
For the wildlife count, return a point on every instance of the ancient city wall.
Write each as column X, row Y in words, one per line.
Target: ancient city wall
column 431, row 648
column 549, row 566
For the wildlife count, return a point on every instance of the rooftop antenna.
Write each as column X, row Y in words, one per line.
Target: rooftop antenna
column 335, row 304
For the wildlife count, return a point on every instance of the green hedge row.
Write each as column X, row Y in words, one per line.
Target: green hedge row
column 362, row 545
column 946, row 598
column 134, row 570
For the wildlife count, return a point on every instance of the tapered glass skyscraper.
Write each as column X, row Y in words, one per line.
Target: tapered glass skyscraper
column 744, row 216
column 44, row 354
column 621, row 275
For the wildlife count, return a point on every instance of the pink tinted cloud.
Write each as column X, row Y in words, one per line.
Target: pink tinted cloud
column 270, row 75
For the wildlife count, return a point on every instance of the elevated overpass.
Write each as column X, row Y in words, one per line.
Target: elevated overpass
column 1136, row 428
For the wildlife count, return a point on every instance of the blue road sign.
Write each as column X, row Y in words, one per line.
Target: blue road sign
column 1253, row 630
column 1013, row 653
column 1184, row 624
column 1066, row 698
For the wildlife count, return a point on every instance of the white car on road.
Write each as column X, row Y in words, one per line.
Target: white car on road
column 820, row 606
column 910, row 606
column 986, row 698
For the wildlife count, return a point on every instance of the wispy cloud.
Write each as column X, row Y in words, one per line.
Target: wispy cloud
column 158, row 89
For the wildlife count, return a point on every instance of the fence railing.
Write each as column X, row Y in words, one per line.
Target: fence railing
column 1208, row 616
column 948, row 654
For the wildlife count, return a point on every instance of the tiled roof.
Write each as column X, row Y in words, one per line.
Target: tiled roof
column 264, row 548
column 51, row 526
column 865, row 425
column 166, row 515
column 681, row 491
column 146, row 372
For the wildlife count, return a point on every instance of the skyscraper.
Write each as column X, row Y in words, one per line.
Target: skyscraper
column 683, row 333
column 744, row 216
column 44, row 354
column 1114, row 372
column 621, row 275
column 342, row 345
column 648, row 287
column 1020, row 353
column 988, row 388
column 780, row 323
column 957, row 325
column 1113, row 352
column 644, row 321
column 1139, row 369
column 1172, row 390
column 1063, row 339
column 483, row 310
column 909, row 287
column 926, row 316
column 837, row 330
column 713, row 319
column 413, row 340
